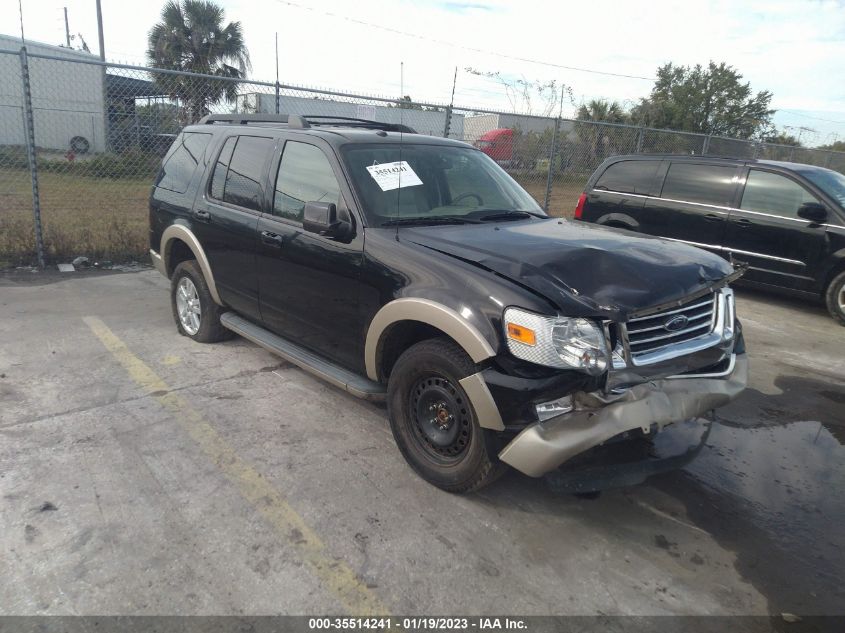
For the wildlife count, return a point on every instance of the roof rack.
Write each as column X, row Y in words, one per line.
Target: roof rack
column 345, row 121
column 291, row 120
column 300, row 122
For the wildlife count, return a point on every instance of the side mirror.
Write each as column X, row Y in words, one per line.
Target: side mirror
column 813, row 211
column 321, row 218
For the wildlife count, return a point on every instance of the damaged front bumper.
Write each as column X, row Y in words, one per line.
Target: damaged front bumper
column 597, row 417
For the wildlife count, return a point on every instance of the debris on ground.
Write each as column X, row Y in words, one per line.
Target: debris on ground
column 81, row 262
column 66, row 268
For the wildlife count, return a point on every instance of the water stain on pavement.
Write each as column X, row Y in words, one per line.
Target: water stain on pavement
column 773, row 493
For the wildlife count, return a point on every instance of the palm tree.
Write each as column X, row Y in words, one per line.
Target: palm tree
column 601, row 110
column 191, row 37
column 598, row 138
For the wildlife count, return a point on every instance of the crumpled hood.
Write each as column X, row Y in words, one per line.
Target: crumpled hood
column 580, row 266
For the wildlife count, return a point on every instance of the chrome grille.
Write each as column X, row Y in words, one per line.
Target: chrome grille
column 692, row 319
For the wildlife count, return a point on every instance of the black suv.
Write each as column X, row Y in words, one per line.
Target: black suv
column 414, row 269
column 785, row 220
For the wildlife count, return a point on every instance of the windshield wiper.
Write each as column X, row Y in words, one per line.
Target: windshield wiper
column 423, row 221
column 509, row 215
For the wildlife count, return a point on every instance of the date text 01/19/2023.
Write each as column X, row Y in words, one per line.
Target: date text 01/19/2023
column 417, row 623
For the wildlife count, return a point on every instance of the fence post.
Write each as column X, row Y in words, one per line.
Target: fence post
column 447, row 126
column 828, row 159
column 706, row 146
column 640, row 140
column 552, row 153
column 277, row 96
column 29, row 131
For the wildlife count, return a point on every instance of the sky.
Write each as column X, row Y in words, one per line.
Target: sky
column 795, row 49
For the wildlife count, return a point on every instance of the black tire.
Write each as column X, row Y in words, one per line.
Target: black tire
column 80, row 144
column 458, row 456
column 210, row 330
column 835, row 298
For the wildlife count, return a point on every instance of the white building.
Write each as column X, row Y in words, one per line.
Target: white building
column 67, row 98
column 423, row 121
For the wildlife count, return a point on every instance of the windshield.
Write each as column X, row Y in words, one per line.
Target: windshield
column 831, row 182
column 437, row 182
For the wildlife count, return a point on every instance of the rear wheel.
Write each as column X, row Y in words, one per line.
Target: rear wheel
column 433, row 422
column 196, row 314
column 835, row 298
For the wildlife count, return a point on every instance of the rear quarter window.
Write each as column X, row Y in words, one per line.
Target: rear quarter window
column 705, row 184
column 181, row 163
column 629, row 176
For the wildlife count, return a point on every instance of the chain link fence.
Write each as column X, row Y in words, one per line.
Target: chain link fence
column 81, row 142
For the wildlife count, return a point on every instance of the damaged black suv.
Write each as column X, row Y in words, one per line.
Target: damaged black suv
column 414, row 269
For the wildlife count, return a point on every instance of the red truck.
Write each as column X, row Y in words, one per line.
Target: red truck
column 498, row 145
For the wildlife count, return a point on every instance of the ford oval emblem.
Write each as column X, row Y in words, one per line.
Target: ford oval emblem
column 675, row 323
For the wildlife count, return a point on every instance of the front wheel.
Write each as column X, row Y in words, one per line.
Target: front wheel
column 835, row 298
column 433, row 422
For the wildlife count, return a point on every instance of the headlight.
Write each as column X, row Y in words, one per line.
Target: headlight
column 568, row 343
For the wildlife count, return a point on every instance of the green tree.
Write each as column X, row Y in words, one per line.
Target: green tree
column 192, row 37
column 601, row 110
column 781, row 138
column 837, row 146
column 406, row 103
column 600, row 141
column 711, row 100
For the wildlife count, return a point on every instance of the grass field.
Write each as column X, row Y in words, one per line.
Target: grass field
column 104, row 218
column 99, row 218
column 564, row 194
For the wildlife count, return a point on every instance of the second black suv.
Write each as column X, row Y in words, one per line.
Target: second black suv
column 414, row 269
column 786, row 220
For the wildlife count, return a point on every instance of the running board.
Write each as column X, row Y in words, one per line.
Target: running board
column 304, row 359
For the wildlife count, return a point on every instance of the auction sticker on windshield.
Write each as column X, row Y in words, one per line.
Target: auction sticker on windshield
column 394, row 175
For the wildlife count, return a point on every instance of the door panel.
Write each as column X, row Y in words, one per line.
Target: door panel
column 693, row 205
column 225, row 219
column 766, row 232
column 618, row 195
column 309, row 284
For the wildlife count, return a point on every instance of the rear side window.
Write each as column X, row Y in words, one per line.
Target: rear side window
column 240, row 169
column 305, row 175
column 766, row 192
column 629, row 176
column 179, row 167
column 707, row 184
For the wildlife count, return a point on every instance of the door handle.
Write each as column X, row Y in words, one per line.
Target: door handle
column 272, row 239
column 743, row 223
column 202, row 216
column 712, row 217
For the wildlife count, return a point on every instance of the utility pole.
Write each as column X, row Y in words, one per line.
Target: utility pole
column 67, row 30
column 20, row 13
column 103, row 75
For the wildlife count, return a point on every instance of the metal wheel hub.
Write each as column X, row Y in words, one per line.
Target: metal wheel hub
column 841, row 299
column 440, row 416
column 188, row 306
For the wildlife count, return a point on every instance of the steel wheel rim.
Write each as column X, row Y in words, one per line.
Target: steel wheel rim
column 440, row 419
column 841, row 299
column 188, row 306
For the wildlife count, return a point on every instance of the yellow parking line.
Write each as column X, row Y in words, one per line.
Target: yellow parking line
column 335, row 575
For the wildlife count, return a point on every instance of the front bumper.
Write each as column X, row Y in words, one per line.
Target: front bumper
column 543, row 446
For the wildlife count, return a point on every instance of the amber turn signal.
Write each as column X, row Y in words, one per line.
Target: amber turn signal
column 521, row 334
